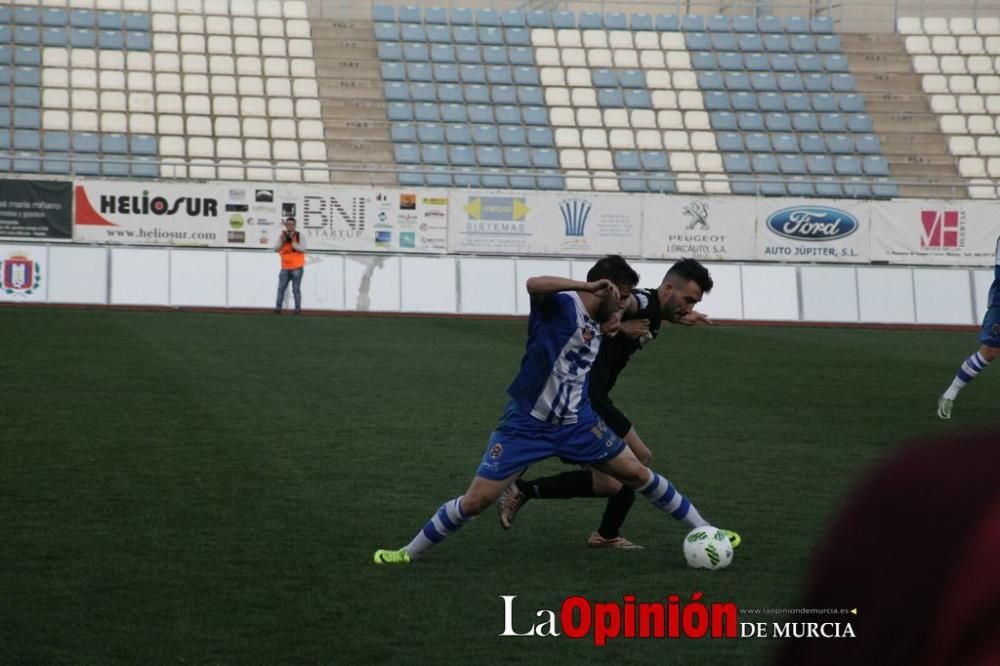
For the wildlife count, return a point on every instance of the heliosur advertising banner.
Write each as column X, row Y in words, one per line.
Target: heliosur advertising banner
column 813, row 230
column 705, row 228
column 38, row 209
column 935, row 231
column 553, row 223
column 250, row 215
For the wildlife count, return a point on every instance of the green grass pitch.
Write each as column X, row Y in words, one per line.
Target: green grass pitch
column 209, row 488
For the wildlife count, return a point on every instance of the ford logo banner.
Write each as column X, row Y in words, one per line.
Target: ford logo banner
column 812, row 223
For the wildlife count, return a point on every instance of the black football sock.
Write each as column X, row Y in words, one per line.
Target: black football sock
column 578, row 483
column 615, row 513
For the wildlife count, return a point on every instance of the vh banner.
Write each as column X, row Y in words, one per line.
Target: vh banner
column 38, row 209
column 808, row 230
column 250, row 215
column 555, row 223
column 704, row 228
column 935, row 231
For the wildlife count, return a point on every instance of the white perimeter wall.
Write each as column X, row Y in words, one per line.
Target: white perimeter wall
column 480, row 285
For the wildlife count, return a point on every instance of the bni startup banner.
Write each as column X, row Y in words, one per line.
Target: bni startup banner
column 935, row 231
column 704, row 228
column 550, row 223
column 251, row 215
column 813, row 230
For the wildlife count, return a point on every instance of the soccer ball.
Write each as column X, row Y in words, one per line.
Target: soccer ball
column 708, row 548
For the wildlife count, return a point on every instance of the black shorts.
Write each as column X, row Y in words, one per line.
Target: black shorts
column 611, row 415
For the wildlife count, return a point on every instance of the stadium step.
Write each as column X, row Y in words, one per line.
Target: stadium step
column 363, row 177
column 324, row 29
column 880, row 63
column 906, row 122
column 372, row 152
column 896, row 103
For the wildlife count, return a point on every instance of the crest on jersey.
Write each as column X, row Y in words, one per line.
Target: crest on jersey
column 995, row 331
column 496, row 451
column 588, row 334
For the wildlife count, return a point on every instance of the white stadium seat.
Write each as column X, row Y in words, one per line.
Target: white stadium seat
column 569, row 38
column 142, row 123
column 199, row 146
column 647, row 39
column 962, row 25
column 696, row 120
column 934, row 25
column 621, row 139
column 670, row 120
column 583, row 96
column 971, row 104
column 167, row 82
column 917, row 45
column 652, row 59
column 944, row 104
column 274, row 87
column 673, row 41
column 589, row 118
column 300, row 48
column 690, row 100
column 572, row 159
column 625, row 58
column 578, row 77
column 709, row 163
column 648, row 139
column 190, row 25
column 621, row 39
column 599, row 159
column 198, row 126
column 53, row 119
column 988, row 25
column 926, row 64
column 909, row 25
column 543, row 37
column 170, row 124
column 573, row 57
column 616, row 118
column 676, row 140
column 643, row 118
column 972, row 167
column 962, row 145
column 567, row 137
column 594, row 138
column 113, row 100
column 703, row 141
column 595, row 39
column 562, row 116
column 294, row 9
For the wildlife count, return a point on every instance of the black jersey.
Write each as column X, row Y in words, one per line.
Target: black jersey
column 615, row 352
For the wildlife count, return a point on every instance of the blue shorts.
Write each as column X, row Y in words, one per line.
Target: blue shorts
column 521, row 440
column 989, row 335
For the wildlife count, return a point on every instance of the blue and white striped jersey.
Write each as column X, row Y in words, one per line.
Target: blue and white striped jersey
column 563, row 341
column 995, row 287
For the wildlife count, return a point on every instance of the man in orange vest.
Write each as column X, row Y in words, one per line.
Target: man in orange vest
column 292, row 248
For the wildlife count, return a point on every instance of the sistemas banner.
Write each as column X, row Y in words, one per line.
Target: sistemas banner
column 36, row 209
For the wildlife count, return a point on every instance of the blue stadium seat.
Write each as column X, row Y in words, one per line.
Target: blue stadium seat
column 27, row 97
column 487, row 17
column 30, row 56
column 653, row 160
column 464, row 34
column 824, row 103
column 473, row 73
column 698, row 41
column 819, row 164
column 828, row 44
column 693, row 23
column 27, row 15
column 86, row 167
column 826, row 186
column 27, row 118
column 724, row 41
column 736, row 163
column 83, row 38
column 860, row 122
column 835, row 62
column 764, row 163
column 790, row 82
column 626, row 160
column 495, row 179
column 460, row 16
column 805, row 121
column 802, row 44
column 462, row 155
column 538, row 18
column 763, row 81
column 400, row 111
column 851, row 103
column 615, row 21
column 839, row 143
column 137, row 41
column 737, row 81
column 108, row 20
column 138, row 22
column 6, row 35
column 731, row 61
column 770, row 24
column 517, row 156
column 704, row 60
column 114, row 144
column 718, row 23
column 114, row 166
column 384, row 32
column 770, row 101
column 518, row 37
column 438, row 34
column 757, row 142
column 495, row 55
column 503, row 94
column 403, row 133
column 55, row 37
column 716, row 100
column 513, row 18
column 847, row 165
column 433, row 153
column 56, row 163
column 477, row 94
column 751, row 42
column 729, row 142
column 884, row 188
column 668, row 22
column 816, row 82
column 812, row 143
column 540, row 137
column 544, row 158
column 743, row 101
column 832, row 122
column 530, row 96
column 710, row 81
column 757, row 62
column 563, row 19
column 526, row 76
column 54, row 141
column 436, row 16
column 411, row 177
column 808, row 62
column 868, row 144
column 27, row 35
column 508, row 115
column 54, row 16
column 499, row 74
column 799, row 186
column 383, row 13
column 750, row 121
column 489, row 156
column 450, row 93
column 822, row 25
column 778, row 122
column 792, row 164
column 796, row 24
column 783, row 62
column 406, row 153
column 395, row 91
column 485, row 135
column 427, row 112
column 744, row 24
column 468, row 54
column 771, row 185
column 776, row 43
column 25, row 139
column 390, row 51
column 416, row 52
column 550, row 180
column 534, row 115
column 723, row 120
column 409, row 14
column 457, row 134
column 857, row 187
column 491, row 36
column 480, row 113
column 521, row 55
column 430, row 133
column 26, row 163
column 641, row 22
column 784, row 142
column 393, row 71
column 604, row 78
column 610, row 97
column 513, row 135
column 844, row 83
column 743, row 184
column 632, row 181
column 443, row 72
column 412, row 32
column 637, row 99
column 5, row 75
column 632, row 78
column 522, row 179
